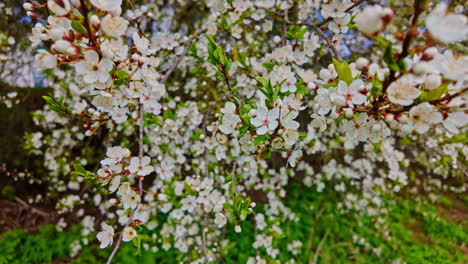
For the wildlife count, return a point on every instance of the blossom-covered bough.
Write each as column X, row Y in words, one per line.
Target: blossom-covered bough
column 199, row 117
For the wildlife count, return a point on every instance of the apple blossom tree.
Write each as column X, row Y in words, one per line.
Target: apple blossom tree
column 204, row 111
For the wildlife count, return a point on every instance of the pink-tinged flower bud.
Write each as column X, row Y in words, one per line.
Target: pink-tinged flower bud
column 238, row 229
column 28, row 6
column 312, row 86
column 373, row 19
column 62, row 46
column 31, row 14
column 387, row 15
column 95, row 21
column 277, row 39
column 389, row 117
column 362, row 63
column 430, row 53
column 59, row 7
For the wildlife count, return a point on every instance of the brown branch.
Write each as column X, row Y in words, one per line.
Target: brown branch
column 29, row 207
column 418, row 9
column 87, row 25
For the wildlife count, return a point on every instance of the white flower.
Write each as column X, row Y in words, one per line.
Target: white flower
column 140, row 167
column 379, row 131
column 164, row 170
column 324, row 102
column 318, row 122
column 188, row 203
column 340, row 24
column 107, row 5
column 114, row 26
column 403, row 91
column 351, row 94
column 119, row 115
column 229, row 108
column 287, row 119
column 230, row 119
column 265, row 120
column 295, row 156
column 131, row 199
column 455, row 120
column 114, row 184
column 45, row 60
column 373, row 19
column 94, row 69
column 59, row 8
column 289, row 85
column 447, row 28
column 64, row 46
column 290, row 137
column 358, row 129
column 128, row 234
column 423, row 116
column 432, row 82
column 451, row 66
column 106, row 236
column 114, row 49
column 115, row 155
column 220, row 219
column 334, row 9
column 142, row 44
column 238, row 229
column 229, row 123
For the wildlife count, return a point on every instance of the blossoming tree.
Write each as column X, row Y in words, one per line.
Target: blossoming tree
column 205, row 110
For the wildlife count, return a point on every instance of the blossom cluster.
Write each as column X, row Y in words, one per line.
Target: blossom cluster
column 200, row 119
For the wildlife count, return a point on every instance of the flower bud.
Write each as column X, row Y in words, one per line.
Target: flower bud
column 430, row 53
column 277, row 39
column 389, row 117
column 432, row 81
column 59, row 7
column 362, row 63
column 95, row 21
column 238, row 229
column 31, row 14
column 28, row 7
column 62, row 46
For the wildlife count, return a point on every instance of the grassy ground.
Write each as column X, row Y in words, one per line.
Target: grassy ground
column 418, row 233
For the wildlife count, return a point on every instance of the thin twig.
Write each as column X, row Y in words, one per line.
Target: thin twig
column 319, row 248
column 140, row 183
column 29, row 207
column 87, row 25
column 179, row 59
column 418, row 9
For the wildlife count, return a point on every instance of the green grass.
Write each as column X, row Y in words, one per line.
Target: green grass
column 417, row 234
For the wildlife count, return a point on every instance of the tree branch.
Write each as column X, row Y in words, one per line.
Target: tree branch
column 179, row 59
column 140, row 183
column 87, row 25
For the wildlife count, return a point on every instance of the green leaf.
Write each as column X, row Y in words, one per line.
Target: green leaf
column 78, row 27
column 434, row 94
column 376, row 86
column 344, row 71
column 388, row 58
column 260, row 139
column 121, row 74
